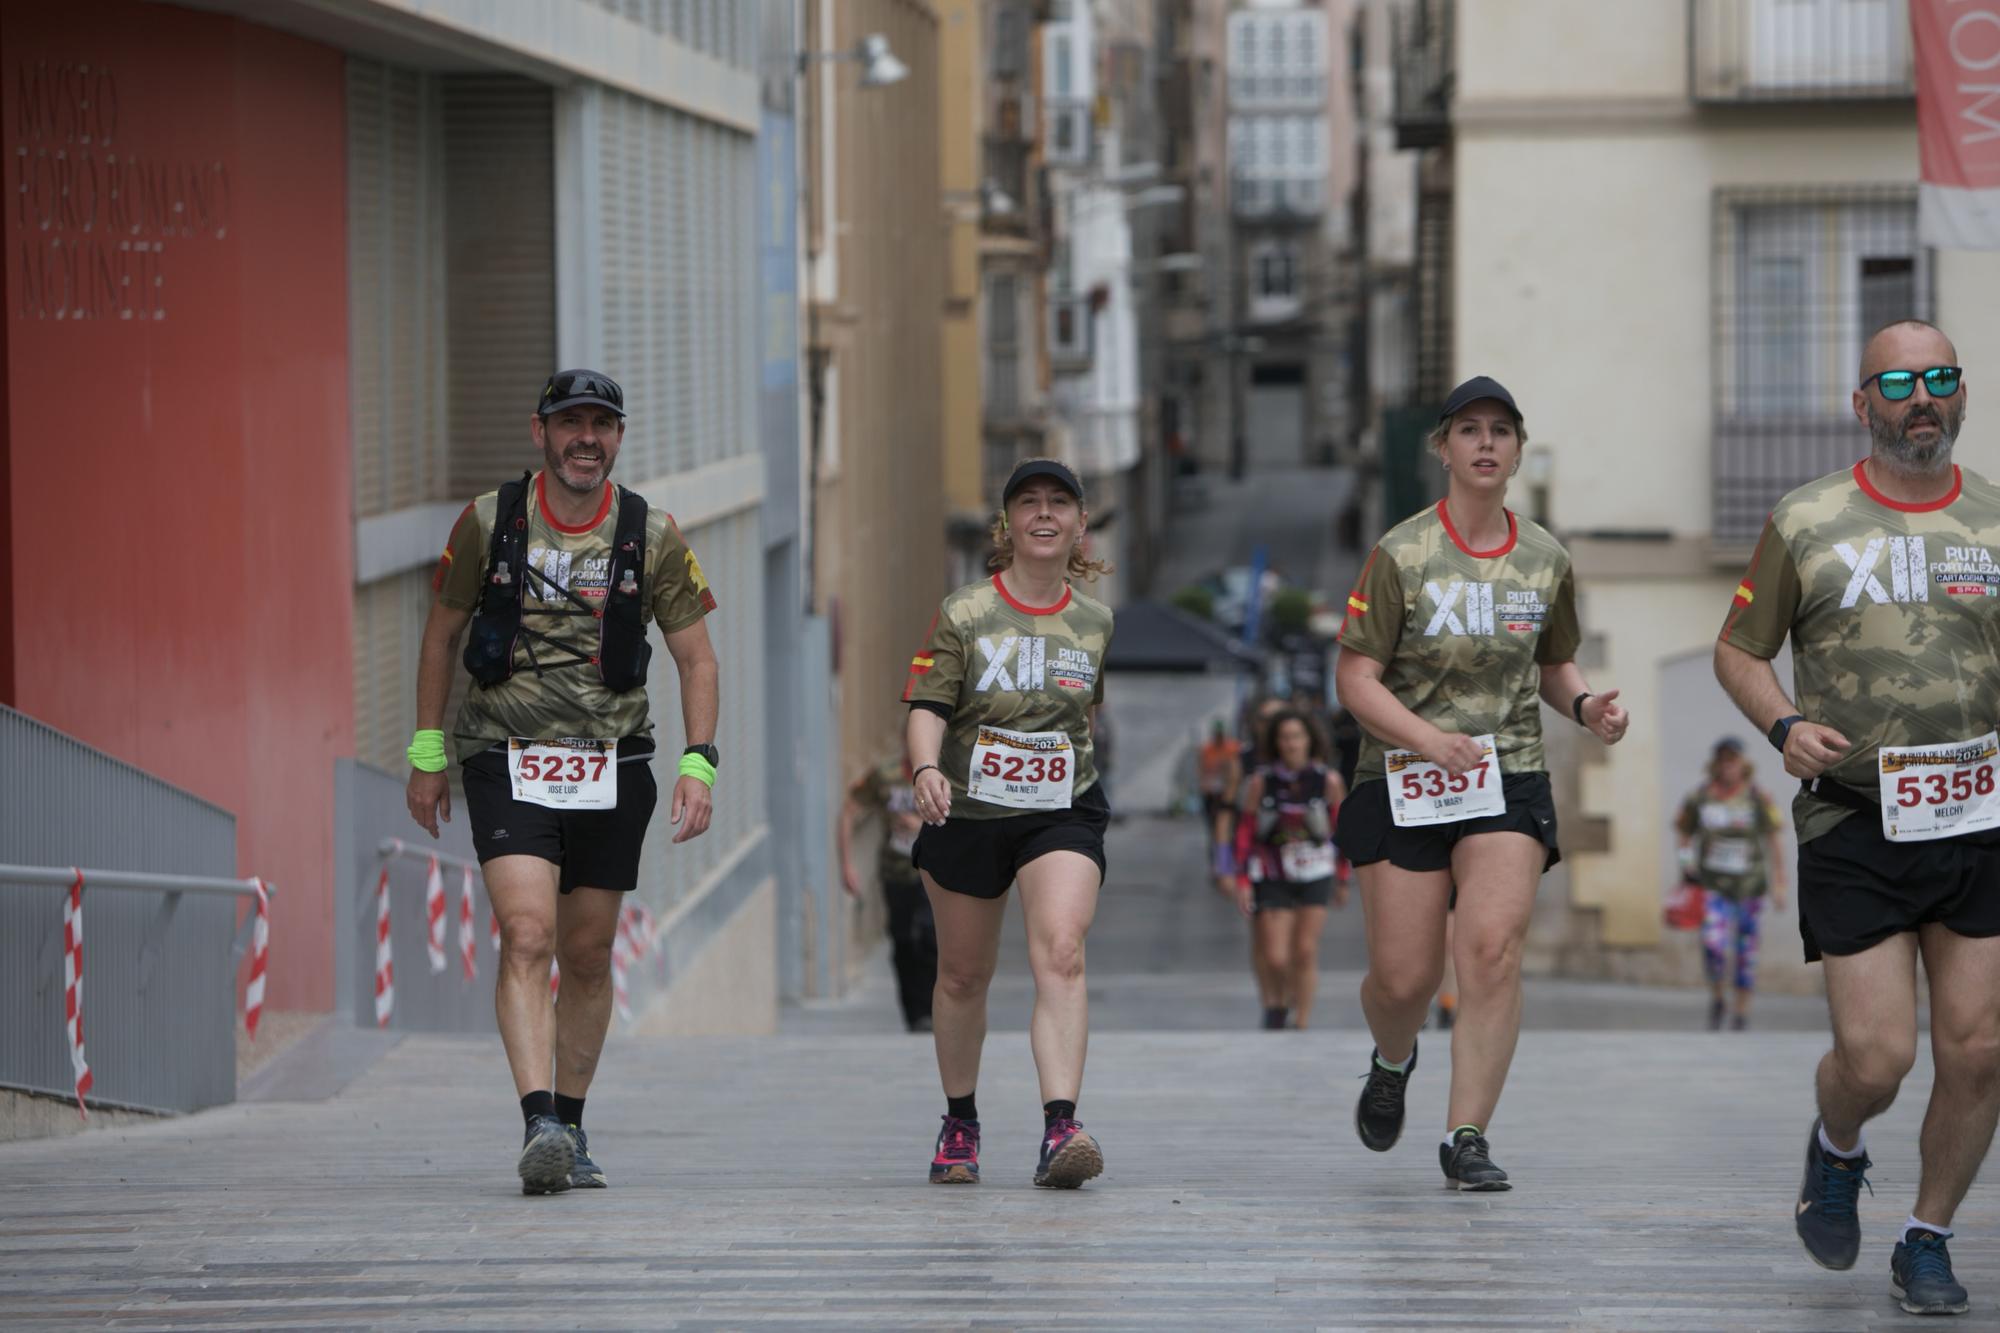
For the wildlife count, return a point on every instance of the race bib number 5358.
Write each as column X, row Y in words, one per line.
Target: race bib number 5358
column 1421, row 792
column 1939, row 791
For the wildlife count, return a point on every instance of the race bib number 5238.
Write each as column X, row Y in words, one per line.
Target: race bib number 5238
column 568, row 774
column 1421, row 792
column 1939, row 791
column 1028, row 770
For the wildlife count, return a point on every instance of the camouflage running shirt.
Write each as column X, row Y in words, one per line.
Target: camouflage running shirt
column 996, row 662
column 550, row 694
column 886, row 791
column 1464, row 633
column 1729, row 832
column 1894, row 615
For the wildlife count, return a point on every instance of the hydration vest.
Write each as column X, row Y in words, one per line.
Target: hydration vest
column 622, row 651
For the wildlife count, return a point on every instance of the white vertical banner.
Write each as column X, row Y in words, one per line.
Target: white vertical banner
column 1958, row 122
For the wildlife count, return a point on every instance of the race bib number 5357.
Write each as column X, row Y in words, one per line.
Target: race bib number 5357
column 1939, row 791
column 1421, row 792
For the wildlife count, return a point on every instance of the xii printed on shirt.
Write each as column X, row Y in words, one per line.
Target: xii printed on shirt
column 1023, row 662
column 1962, row 571
column 1471, row 608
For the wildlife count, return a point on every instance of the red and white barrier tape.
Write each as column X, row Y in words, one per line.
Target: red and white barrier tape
column 495, row 932
column 628, row 946
column 468, row 936
column 434, row 916
column 555, row 978
column 73, row 986
column 385, row 965
column 260, row 957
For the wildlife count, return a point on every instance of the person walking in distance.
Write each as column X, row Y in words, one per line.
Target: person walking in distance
column 558, row 576
column 1462, row 625
column 886, row 792
column 1729, row 844
column 1886, row 579
column 999, row 741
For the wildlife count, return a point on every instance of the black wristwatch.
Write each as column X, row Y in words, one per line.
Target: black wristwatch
column 708, row 752
column 1781, row 729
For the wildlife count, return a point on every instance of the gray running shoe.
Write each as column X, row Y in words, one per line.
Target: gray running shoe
column 547, row 1156
column 585, row 1174
column 1467, row 1164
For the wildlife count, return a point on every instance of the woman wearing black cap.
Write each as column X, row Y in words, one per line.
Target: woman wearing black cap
column 1462, row 624
column 1002, row 699
column 1729, row 844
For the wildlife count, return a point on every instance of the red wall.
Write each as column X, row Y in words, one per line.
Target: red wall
column 177, row 457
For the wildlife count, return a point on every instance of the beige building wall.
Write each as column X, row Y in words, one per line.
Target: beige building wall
column 876, row 254
column 1586, row 175
column 961, row 128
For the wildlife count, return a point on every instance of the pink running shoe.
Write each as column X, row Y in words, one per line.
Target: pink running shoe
column 956, row 1161
column 1069, row 1156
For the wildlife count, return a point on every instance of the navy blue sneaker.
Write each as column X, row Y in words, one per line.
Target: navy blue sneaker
column 1826, row 1219
column 1069, row 1156
column 1920, row 1275
column 956, row 1161
column 1468, row 1163
column 1378, row 1116
column 547, row 1157
column 585, row 1174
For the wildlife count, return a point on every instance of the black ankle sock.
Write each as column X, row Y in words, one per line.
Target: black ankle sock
column 569, row 1110
column 1275, row 1016
column 961, row 1108
column 538, row 1103
column 1054, row 1111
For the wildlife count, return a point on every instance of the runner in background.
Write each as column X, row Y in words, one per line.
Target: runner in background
column 885, row 792
column 1730, row 844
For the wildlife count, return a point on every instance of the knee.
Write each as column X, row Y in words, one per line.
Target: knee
column 961, row 985
column 1305, row 953
column 1972, row 1056
column 1484, row 964
column 1407, row 988
column 527, row 942
column 1877, row 1063
column 1060, row 960
column 586, row 961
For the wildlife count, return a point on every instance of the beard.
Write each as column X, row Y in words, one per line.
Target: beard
column 1893, row 442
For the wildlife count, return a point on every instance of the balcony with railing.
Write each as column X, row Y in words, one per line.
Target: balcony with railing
column 1424, row 74
column 1799, row 50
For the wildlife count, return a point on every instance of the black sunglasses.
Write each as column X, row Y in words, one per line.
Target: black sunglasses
column 1896, row 385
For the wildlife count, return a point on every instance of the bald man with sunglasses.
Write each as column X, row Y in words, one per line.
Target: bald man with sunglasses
column 1886, row 578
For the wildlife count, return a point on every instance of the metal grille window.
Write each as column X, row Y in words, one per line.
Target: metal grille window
column 1003, row 347
column 1801, row 279
column 1786, row 50
column 1010, row 41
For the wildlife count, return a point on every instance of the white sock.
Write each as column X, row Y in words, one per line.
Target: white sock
column 1918, row 1224
column 1826, row 1145
column 1402, row 1068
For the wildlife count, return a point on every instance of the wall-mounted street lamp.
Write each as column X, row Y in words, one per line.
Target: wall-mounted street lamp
column 879, row 65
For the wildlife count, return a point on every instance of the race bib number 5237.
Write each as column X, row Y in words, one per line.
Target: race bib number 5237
column 1421, row 792
column 1939, row 791
column 568, row 774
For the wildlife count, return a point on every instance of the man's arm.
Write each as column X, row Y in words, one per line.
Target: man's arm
column 429, row 794
column 1751, row 683
column 701, row 694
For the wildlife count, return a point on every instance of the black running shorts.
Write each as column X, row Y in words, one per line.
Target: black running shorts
column 1857, row 888
column 596, row 849
column 1368, row 833
column 1279, row 894
column 980, row 857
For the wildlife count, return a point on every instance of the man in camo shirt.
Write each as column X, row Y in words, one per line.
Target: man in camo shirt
column 1885, row 578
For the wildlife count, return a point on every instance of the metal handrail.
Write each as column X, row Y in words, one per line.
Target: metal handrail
column 64, row 876
column 393, row 847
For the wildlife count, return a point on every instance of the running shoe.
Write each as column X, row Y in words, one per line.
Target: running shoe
column 1069, row 1156
column 1378, row 1116
column 1920, row 1275
column 956, row 1161
column 1716, row 1011
column 548, row 1154
column 1740, row 1023
column 1826, row 1218
column 585, row 1174
column 1468, row 1164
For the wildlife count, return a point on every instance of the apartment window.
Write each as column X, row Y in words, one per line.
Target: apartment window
column 1789, row 49
column 1010, row 42
column 1062, row 65
column 1069, row 329
column 1277, row 58
column 1801, row 279
column 1274, row 271
column 1277, row 162
column 1003, row 346
column 1069, row 132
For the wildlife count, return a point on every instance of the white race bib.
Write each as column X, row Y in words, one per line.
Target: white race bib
column 566, row 774
column 1027, row 770
column 1728, row 856
column 1939, row 791
column 1305, row 862
column 1422, row 793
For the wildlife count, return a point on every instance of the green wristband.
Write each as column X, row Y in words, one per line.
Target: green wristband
column 427, row 752
column 694, row 766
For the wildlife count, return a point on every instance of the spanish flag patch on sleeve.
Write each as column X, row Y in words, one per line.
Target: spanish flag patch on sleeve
column 1744, row 594
column 1356, row 605
column 921, row 665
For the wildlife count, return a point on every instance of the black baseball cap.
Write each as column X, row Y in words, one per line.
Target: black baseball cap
column 1474, row 389
column 567, row 388
column 1042, row 467
column 1729, row 745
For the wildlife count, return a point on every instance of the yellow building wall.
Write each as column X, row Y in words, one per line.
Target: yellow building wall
column 961, row 124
